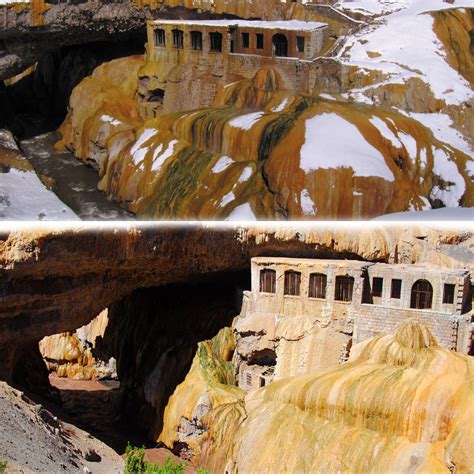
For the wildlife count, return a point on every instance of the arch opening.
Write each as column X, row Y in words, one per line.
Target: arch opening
column 280, row 45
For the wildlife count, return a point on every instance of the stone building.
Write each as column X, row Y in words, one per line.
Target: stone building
column 188, row 59
column 304, row 315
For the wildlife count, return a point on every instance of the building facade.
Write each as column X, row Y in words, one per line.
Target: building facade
column 304, row 315
column 198, row 56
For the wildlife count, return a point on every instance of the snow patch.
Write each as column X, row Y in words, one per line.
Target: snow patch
column 242, row 213
column 222, row 164
column 307, row 204
column 24, row 197
column 332, row 142
column 246, row 122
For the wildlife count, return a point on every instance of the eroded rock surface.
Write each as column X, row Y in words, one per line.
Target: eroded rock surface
column 401, row 403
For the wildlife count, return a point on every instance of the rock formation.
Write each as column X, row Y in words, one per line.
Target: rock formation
column 166, row 288
column 260, row 152
column 400, row 403
column 71, row 354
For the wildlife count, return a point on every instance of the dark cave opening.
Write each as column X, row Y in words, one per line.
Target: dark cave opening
column 153, row 334
column 37, row 103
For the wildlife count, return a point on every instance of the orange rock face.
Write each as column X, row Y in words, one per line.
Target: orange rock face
column 260, row 152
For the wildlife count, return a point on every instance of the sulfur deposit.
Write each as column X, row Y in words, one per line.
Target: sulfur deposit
column 260, row 152
column 401, row 403
column 70, row 354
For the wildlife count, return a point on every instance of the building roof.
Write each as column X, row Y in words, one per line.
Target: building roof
column 288, row 25
column 403, row 267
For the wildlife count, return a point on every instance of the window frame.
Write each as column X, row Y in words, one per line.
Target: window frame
column 192, row 36
column 320, row 288
column 215, row 37
column 396, row 291
column 263, row 273
column 451, row 294
column 245, row 37
column 259, row 41
column 377, row 287
column 418, row 295
column 339, row 297
column 178, row 38
column 300, row 44
column 292, row 288
column 160, row 37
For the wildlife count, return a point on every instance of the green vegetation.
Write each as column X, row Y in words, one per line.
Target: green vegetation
column 135, row 464
column 3, row 466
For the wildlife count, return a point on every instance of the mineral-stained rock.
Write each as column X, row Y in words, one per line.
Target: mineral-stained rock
column 402, row 403
column 70, row 354
column 53, row 281
column 261, row 151
column 209, row 384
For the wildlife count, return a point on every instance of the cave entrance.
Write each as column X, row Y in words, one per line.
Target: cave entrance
column 115, row 376
column 86, row 384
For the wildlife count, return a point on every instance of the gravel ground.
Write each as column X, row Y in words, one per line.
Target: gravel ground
column 33, row 440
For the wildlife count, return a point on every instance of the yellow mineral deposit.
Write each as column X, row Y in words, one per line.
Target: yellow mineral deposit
column 68, row 356
column 402, row 403
column 258, row 146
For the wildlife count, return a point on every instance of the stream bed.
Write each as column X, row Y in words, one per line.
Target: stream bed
column 73, row 182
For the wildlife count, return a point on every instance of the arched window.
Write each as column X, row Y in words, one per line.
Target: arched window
column 178, row 39
column 421, row 295
column 160, row 38
column 317, row 285
column 344, row 288
column 280, row 45
column 292, row 283
column 267, row 281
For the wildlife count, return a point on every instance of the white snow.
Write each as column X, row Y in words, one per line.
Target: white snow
column 332, row 142
column 245, row 175
column 373, row 7
column 307, row 204
column 138, row 152
column 242, row 213
column 408, row 48
column 160, row 156
column 222, row 164
column 24, row 197
column 288, row 25
column 247, row 121
column 111, row 120
column 410, row 144
column 443, row 129
column 327, row 96
column 229, row 197
column 438, row 215
column 385, row 131
column 281, row 107
column 448, row 171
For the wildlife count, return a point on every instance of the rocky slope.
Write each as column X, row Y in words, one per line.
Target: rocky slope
column 34, row 440
column 401, row 404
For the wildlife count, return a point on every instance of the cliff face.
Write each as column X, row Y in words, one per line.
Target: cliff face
column 260, row 152
column 166, row 289
column 401, row 403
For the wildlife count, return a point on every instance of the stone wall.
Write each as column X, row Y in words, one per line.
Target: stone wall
column 306, row 334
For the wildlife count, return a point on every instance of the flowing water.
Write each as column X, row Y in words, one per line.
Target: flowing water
column 73, row 182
